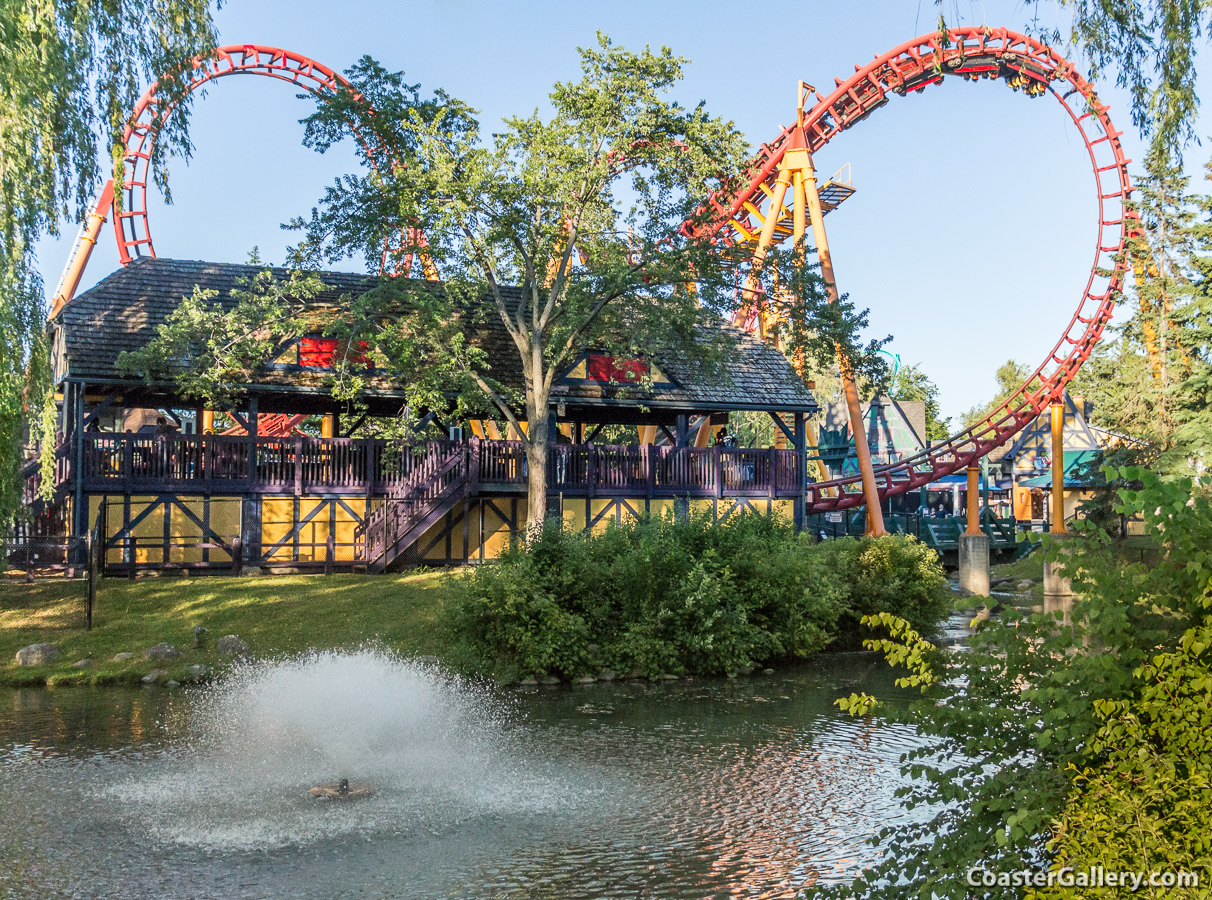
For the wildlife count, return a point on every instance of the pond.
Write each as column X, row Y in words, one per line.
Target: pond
column 754, row 786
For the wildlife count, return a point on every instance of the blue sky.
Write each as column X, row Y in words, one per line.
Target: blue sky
column 970, row 237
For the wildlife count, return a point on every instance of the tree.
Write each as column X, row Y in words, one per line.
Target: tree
column 71, row 72
column 1151, row 45
column 1193, row 398
column 567, row 232
column 911, row 383
column 1010, row 377
column 1040, row 734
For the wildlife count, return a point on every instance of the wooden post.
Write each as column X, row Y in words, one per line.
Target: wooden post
column 592, row 469
column 298, row 464
column 79, row 513
column 92, row 579
column 237, row 557
column 132, row 555
column 801, row 470
column 330, row 552
column 719, row 472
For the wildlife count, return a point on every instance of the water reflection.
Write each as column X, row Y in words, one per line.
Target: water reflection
column 713, row 788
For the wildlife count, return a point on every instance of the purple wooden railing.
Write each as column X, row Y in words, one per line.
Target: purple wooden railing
column 375, row 467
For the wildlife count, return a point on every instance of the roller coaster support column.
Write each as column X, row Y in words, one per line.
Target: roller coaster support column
column 974, row 543
column 765, row 238
column 1058, row 590
column 799, row 157
column 1058, row 466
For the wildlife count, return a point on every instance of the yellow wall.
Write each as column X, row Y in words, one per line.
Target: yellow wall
column 489, row 529
column 182, row 529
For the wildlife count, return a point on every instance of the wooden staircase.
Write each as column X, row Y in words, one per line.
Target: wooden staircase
column 437, row 480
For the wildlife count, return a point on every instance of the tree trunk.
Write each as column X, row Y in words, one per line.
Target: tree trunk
column 536, row 486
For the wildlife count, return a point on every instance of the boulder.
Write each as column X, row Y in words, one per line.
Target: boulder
column 1026, row 584
column 201, row 634
column 198, row 671
column 549, row 679
column 123, row 657
column 154, row 676
column 607, row 675
column 669, row 676
column 37, row 655
column 231, row 645
column 529, row 681
column 162, row 652
column 172, row 684
column 767, row 671
column 83, row 664
column 586, row 679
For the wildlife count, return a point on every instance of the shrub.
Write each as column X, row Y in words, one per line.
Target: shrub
column 661, row 596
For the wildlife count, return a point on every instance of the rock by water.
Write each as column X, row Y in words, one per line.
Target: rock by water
column 37, row 655
column 162, row 652
column 231, row 645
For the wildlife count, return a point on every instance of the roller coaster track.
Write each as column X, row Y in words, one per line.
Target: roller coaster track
column 131, row 226
column 969, row 54
column 965, row 53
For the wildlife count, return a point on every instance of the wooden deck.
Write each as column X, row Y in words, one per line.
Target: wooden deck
column 188, row 464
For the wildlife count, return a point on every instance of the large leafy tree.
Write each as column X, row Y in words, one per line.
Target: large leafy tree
column 912, row 383
column 70, row 72
column 1010, row 376
column 565, row 231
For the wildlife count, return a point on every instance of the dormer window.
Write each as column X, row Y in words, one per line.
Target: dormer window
column 604, row 367
column 319, row 353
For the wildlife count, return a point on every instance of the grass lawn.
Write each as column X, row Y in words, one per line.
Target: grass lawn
column 278, row 615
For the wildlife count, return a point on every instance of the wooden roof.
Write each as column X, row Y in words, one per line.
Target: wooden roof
column 123, row 311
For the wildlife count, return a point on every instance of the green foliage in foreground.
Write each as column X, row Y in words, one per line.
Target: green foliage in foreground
column 279, row 615
column 1068, row 744
column 660, row 596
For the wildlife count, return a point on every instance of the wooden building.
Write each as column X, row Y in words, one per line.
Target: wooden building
column 291, row 501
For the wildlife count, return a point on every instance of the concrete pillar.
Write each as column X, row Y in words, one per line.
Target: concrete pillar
column 974, row 563
column 1058, row 590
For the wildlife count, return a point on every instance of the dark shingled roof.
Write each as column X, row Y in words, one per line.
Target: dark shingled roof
column 123, row 310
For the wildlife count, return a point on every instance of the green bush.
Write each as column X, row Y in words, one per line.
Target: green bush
column 657, row 596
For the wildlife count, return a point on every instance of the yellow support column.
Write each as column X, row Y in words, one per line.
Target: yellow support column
column 1058, row 466
column 800, row 157
column 974, row 515
column 328, row 425
column 206, row 425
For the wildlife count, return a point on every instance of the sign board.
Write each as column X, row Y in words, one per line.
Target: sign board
column 834, row 517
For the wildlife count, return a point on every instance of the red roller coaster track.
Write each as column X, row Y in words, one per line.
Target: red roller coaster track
column 970, row 54
column 131, row 226
column 967, row 53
